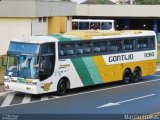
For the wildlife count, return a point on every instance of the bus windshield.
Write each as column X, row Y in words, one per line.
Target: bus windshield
column 22, row 66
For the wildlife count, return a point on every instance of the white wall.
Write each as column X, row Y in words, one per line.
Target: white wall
column 39, row 27
column 11, row 28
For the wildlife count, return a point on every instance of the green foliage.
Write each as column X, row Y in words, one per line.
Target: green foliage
column 146, row 2
column 2, row 70
column 95, row 1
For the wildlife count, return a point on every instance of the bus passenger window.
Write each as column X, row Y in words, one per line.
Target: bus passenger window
column 142, row 43
column 100, row 47
column 129, row 44
column 112, row 45
column 87, row 48
column 106, row 25
column 74, row 25
column 62, row 50
column 152, row 42
column 80, row 49
column 95, row 26
column 119, row 45
column 70, row 49
column 83, row 25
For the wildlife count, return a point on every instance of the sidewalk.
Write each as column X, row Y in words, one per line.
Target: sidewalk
column 2, row 88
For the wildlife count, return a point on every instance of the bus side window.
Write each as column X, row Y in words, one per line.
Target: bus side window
column 66, row 49
column 95, row 26
column 88, row 48
column 74, row 25
column 119, row 45
column 106, row 25
column 70, row 49
column 152, row 42
column 129, row 44
column 62, row 50
column 83, row 25
column 115, row 45
column 112, row 45
column 100, row 46
column 142, row 43
column 80, row 49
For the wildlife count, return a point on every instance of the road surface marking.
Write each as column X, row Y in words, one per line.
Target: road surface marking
column 8, row 100
column 94, row 91
column 26, row 99
column 129, row 100
column 44, row 97
column 4, row 93
column 156, row 75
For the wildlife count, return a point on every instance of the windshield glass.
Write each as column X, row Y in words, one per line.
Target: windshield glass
column 22, row 66
column 23, row 48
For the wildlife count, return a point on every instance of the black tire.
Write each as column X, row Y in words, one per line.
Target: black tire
column 127, row 77
column 62, row 87
column 136, row 74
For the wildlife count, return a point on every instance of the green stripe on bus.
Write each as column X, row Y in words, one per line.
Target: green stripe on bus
column 92, row 70
column 85, row 67
column 60, row 37
column 82, row 71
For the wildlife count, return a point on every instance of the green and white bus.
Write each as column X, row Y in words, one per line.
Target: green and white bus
column 42, row 64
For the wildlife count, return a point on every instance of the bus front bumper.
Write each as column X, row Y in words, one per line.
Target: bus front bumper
column 24, row 88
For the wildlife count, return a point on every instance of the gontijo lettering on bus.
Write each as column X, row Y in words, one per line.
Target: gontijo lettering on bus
column 121, row 58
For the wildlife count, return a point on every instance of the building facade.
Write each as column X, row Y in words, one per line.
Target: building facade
column 32, row 17
column 41, row 17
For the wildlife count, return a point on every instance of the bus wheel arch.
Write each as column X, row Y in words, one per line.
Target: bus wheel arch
column 63, row 85
column 127, row 76
column 137, row 73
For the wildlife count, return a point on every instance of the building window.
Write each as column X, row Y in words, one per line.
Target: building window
column 44, row 19
column 40, row 19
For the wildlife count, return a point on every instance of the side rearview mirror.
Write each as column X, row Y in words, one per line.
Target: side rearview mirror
column 4, row 60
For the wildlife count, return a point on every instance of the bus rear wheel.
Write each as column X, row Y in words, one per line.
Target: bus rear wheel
column 136, row 74
column 62, row 87
column 127, row 76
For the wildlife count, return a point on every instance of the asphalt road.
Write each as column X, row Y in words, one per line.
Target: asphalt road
column 137, row 98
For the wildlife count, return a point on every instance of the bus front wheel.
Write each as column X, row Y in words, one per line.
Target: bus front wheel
column 62, row 87
column 127, row 76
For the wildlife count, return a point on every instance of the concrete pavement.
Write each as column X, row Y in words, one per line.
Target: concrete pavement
column 140, row 98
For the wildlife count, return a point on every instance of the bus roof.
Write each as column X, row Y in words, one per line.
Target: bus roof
column 91, row 20
column 79, row 35
column 109, row 34
column 35, row 39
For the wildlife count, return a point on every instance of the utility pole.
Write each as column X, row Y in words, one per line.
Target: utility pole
column 131, row 2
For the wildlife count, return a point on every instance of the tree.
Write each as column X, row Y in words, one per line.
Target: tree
column 146, row 2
